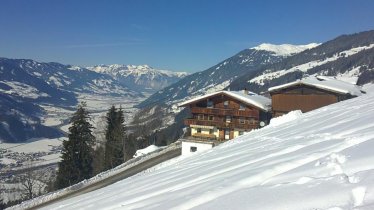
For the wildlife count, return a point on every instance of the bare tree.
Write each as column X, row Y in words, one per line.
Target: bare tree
column 31, row 182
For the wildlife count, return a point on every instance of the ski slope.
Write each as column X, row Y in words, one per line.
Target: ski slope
column 319, row 160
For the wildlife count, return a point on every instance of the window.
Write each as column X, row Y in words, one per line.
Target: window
column 241, row 120
column 193, row 149
column 242, row 106
column 241, row 133
column 211, row 131
column 211, row 117
column 226, row 104
column 228, row 119
column 209, row 104
column 200, row 117
column 198, row 130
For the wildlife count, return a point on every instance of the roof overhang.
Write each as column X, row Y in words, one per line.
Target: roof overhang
column 319, row 86
column 202, row 126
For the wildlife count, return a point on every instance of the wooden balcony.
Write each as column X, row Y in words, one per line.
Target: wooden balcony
column 221, row 124
column 224, row 112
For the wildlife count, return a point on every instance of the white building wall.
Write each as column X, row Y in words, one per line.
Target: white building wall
column 236, row 133
column 186, row 147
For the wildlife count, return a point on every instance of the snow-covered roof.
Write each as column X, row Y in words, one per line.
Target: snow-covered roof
column 325, row 83
column 250, row 98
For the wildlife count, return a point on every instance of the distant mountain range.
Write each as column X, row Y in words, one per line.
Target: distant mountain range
column 26, row 84
column 140, row 78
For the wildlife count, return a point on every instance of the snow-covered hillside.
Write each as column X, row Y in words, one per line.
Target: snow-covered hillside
column 319, row 160
column 347, row 55
column 142, row 77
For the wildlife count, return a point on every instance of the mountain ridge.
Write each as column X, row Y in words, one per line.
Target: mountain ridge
column 141, row 77
column 284, row 49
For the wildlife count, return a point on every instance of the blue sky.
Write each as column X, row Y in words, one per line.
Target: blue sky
column 179, row 35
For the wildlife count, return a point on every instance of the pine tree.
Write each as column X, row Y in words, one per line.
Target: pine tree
column 114, row 136
column 76, row 163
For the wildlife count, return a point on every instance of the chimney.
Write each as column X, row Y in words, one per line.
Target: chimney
column 245, row 91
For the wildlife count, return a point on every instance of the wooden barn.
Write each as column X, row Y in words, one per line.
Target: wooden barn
column 310, row 93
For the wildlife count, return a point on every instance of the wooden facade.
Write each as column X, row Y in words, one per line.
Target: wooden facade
column 224, row 117
column 304, row 98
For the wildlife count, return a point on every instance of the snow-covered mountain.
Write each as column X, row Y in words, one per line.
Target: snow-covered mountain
column 319, row 160
column 59, row 77
column 345, row 56
column 140, row 78
column 26, row 85
column 221, row 75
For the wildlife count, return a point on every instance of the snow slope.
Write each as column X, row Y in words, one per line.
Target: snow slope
column 320, row 160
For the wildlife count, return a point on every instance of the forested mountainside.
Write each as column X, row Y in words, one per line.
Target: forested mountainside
column 221, row 75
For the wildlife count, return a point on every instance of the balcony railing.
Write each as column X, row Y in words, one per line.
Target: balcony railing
column 222, row 124
column 204, row 136
column 223, row 112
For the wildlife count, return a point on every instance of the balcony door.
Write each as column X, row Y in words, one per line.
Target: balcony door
column 228, row 119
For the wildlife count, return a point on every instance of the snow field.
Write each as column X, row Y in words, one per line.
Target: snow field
column 319, row 160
